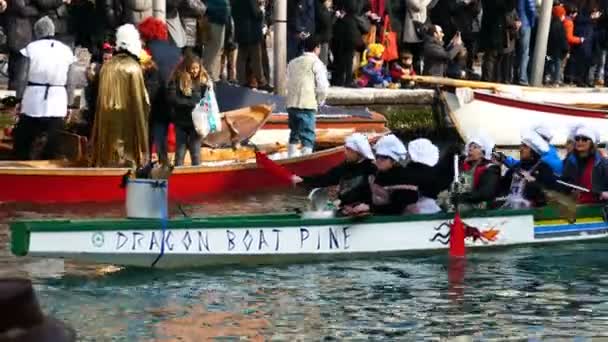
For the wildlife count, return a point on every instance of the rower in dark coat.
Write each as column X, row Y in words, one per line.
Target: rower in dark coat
column 351, row 176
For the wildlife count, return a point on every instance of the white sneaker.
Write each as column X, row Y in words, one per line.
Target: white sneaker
column 306, row 150
column 292, row 151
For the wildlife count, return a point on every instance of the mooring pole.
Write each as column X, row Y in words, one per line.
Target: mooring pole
column 279, row 47
column 159, row 9
column 540, row 48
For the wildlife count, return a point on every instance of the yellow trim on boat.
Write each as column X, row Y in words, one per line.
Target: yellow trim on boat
column 562, row 221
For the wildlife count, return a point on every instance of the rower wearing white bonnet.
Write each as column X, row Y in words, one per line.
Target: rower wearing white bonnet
column 551, row 156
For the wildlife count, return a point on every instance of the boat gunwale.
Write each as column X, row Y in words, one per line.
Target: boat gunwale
column 185, row 170
column 263, row 110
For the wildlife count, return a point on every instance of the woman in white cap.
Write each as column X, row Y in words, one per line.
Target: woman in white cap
column 423, row 158
column 351, row 176
column 392, row 187
column 550, row 157
column 522, row 183
column 479, row 177
column 585, row 166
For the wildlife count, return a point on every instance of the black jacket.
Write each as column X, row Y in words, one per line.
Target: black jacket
column 324, row 20
column 19, row 23
column 493, row 25
column 533, row 191
column 248, row 19
column 557, row 45
column 399, row 199
column 346, row 32
column 301, row 16
column 486, row 189
column 183, row 105
column 426, row 178
column 57, row 10
column 353, row 179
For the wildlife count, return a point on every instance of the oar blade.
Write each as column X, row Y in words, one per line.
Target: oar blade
column 279, row 172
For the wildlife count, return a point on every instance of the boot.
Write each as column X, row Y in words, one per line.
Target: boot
column 292, row 151
column 306, row 150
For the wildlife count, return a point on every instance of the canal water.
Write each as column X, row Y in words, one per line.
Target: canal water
column 525, row 293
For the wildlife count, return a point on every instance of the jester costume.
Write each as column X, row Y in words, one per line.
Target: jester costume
column 120, row 132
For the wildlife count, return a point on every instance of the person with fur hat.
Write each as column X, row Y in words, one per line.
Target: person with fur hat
column 48, row 93
column 351, row 176
column 120, row 131
column 522, row 183
column 550, row 157
column 392, row 189
column 479, row 176
column 585, row 166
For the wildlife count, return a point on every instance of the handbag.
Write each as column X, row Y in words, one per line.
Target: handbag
column 389, row 40
column 206, row 115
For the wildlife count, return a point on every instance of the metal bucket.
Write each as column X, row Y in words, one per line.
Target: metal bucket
column 147, row 198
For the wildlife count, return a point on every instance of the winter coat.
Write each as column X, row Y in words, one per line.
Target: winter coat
column 416, row 11
column 583, row 27
column 300, row 16
column 19, row 23
column 486, row 188
column 183, row 104
column 425, row 178
column 493, row 25
column 557, row 45
column 166, row 56
column 526, row 11
column 550, row 158
column 218, row 11
column 57, row 11
column 569, row 29
column 463, row 17
column 352, row 178
column 111, row 12
column 533, row 191
column 510, row 32
column 324, row 21
column 436, row 57
column 190, row 11
column 249, row 20
column 346, row 32
column 399, row 199
column 574, row 168
column 137, row 10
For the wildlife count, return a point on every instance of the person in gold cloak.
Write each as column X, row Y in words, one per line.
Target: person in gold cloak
column 120, row 131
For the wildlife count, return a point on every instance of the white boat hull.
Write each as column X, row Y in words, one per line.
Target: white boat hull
column 504, row 119
column 194, row 247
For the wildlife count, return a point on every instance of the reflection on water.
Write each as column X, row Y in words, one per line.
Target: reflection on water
column 521, row 293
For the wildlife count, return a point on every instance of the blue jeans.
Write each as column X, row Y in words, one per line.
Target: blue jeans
column 524, row 53
column 301, row 126
column 158, row 138
column 187, row 138
column 554, row 70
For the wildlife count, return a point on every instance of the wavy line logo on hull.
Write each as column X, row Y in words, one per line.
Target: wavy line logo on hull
column 472, row 235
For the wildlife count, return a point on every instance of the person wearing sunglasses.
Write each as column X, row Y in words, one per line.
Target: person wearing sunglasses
column 523, row 182
column 479, row 177
column 586, row 168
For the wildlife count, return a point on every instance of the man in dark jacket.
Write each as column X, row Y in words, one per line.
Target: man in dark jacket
column 57, row 10
column 492, row 35
column 347, row 38
column 19, row 22
column 300, row 25
column 436, row 56
column 218, row 15
column 557, row 45
column 248, row 18
column 323, row 27
column 464, row 16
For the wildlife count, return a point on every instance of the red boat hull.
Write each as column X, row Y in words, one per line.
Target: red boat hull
column 81, row 185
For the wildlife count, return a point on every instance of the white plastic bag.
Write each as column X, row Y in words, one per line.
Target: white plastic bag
column 206, row 115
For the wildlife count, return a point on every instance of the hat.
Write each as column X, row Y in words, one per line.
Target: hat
column 23, row 321
column 485, row 142
column 572, row 133
column 391, row 146
column 559, row 11
column 544, row 132
column 127, row 39
column 589, row 132
column 535, row 141
column 359, row 143
column 44, row 27
column 423, row 151
column 153, row 29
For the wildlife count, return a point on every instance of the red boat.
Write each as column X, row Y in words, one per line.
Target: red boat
column 52, row 182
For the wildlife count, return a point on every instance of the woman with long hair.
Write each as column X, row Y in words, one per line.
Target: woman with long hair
column 186, row 89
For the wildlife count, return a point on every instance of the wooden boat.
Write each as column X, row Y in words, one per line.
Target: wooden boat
column 325, row 137
column 239, row 125
column 504, row 118
column 58, row 182
column 376, row 122
column 590, row 98
column 280, row 238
